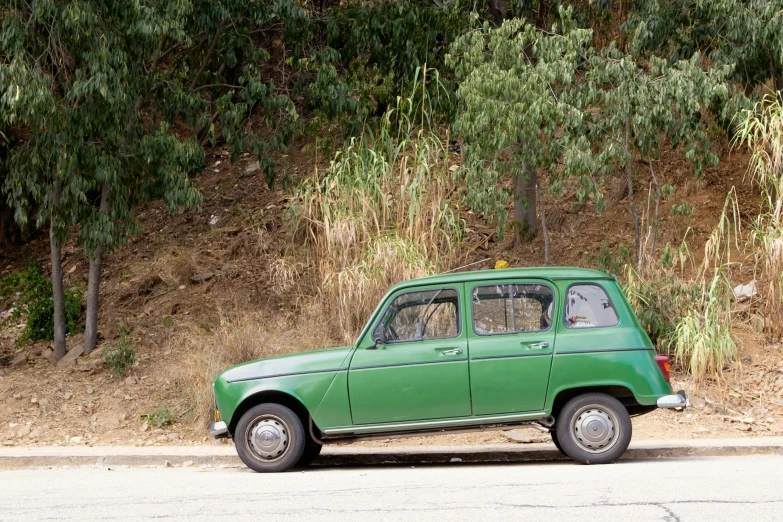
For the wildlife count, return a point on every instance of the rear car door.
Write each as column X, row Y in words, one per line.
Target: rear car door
column 511, row 337
column 421, row 372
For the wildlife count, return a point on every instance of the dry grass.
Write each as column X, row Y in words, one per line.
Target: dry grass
column 761, row 129
column 238, row 339
column 381, row 213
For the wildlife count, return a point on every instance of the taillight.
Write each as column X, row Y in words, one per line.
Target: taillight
column 663, row 364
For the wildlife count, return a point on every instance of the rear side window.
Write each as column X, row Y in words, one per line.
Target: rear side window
column 510, row 308
column 588, row 306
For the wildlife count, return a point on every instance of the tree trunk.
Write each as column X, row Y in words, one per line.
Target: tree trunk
column 58, row 292
column 94, row 285
column 525, row 222
column 543, row 225
column 657, row 208
column 777, row 77
column 498, row 10
column 631, row 202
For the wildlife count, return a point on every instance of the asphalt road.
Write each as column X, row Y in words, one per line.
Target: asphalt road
column 685, row 489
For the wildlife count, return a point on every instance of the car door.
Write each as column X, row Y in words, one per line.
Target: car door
column 511, row 338
column 421, row 371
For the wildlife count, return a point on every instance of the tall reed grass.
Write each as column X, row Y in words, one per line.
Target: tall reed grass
column 381, row 212
column 761, row 129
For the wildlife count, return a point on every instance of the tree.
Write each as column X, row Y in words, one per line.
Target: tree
column 743, row 33
column 549, row 100
column 521, row 111
column 74, row 76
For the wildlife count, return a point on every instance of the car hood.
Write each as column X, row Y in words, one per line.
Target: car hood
column 315, row 361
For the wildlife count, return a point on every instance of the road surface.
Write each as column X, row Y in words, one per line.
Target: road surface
column 684, row 489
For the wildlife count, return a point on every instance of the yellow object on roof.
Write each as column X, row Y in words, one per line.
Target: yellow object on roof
column 501, row 263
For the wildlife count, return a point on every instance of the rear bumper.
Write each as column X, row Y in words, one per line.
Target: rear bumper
column 218, row 429
column 678, row 401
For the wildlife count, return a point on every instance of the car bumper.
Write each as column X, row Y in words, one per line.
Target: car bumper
column 678, row 401
column 218, row 429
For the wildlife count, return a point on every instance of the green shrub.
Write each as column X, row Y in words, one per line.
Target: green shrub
column 610, row 262
column 159, row 419
column 40, row 316
column 121, row 357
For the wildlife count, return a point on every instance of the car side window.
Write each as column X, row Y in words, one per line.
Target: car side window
column 588, row 306
column 427, row 314
column 512, row 308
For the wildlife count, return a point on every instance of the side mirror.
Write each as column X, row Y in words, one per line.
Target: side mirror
column 378, row 337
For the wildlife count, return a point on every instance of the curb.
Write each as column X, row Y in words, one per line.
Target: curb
column 337, row 456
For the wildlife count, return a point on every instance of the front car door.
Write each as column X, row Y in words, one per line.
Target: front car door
column 421, row 371
column 511, row 338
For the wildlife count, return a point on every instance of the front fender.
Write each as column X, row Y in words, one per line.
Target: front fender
column 308, row 389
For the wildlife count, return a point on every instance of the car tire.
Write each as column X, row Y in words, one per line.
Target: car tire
column 311, row 452
column 556, row 442
column 594, row 428
column 270, row 438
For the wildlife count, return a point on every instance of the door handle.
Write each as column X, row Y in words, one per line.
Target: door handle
column 451, row 351
column 537, row 346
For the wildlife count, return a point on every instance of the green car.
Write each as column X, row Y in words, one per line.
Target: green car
column 559, row 348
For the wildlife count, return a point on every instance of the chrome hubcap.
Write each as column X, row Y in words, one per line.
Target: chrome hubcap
column 268, row 438
column 595, row 429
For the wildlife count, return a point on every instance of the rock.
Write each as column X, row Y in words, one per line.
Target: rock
column 19, row 359
column 45, row 406
column 67, row 395
column 2, row 373
column 71, row 356
column 524, row 438
column 187, row 463
column 697, row 402
column 455, row 460
column 745, row 292
column 130, row 381
column 128, row 398
column 144, row 427
column 779, row 382
column 748, row 420
column 168, row 464
column 76, row 440
column 90, row 390
column 173, row 436
column 777, row 427
column 48, row 356
column 34, row 434
column 202, row 277
column 34, row 400
column 23, row 432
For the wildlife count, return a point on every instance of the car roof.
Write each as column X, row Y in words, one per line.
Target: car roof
column 549, row 272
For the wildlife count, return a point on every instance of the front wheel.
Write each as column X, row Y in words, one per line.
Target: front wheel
column 311, row 452
column 269, row 438
column 594, row 428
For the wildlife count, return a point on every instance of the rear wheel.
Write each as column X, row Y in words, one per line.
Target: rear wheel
column 270, row 438
column 594, row 428
column 556, row 441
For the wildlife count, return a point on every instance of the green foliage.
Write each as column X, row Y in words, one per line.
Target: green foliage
column 40, row 316
column 159, row 419
column 742, row 34
column 536, row 99
column 30, row 285
column 681, row 209
column 119, row 358
column 29, row 293
column 610, row 262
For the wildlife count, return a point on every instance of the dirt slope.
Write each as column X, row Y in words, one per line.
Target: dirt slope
column 192, row 271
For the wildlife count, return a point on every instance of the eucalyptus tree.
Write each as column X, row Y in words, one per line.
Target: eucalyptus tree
column 73, row 77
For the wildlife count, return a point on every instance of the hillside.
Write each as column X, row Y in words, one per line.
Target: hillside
column 234, row 277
